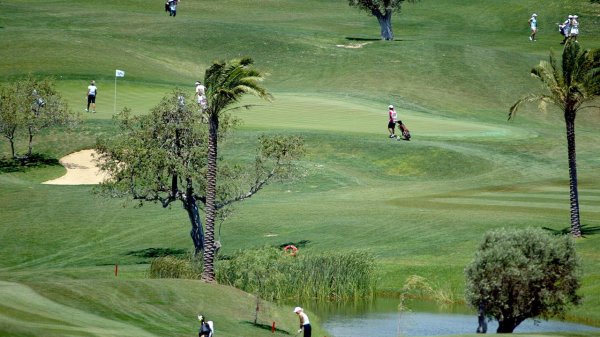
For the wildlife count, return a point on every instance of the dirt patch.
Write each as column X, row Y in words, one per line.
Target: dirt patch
column 81, row 170
column 352, row 46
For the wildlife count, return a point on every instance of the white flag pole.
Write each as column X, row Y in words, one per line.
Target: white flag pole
column 115, row 108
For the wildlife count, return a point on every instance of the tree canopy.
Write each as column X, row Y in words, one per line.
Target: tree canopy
column 30, row 105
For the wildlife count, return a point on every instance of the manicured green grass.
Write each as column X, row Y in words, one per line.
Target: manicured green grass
column 420, row 207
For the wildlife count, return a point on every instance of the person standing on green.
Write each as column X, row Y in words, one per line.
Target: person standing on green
column 533, row 25
column 304, row 322
column 92, row 90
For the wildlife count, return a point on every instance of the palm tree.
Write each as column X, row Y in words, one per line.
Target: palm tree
column 569, row 87
column 226, row 83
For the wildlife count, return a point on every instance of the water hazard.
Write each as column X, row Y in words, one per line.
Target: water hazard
column 383, row 319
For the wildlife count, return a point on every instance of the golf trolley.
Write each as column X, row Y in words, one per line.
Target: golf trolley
column 404, row 131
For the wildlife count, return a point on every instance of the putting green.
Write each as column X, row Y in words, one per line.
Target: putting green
column 347, row 114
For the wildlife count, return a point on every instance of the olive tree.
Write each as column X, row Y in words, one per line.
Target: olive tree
column 29, row 106
column 382, row 10
column 161, row 157
column 520, row 274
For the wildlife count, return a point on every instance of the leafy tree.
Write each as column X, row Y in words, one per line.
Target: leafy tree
column 569, row 86
column 158, row 157
column 521, row 274
column 10, row 118
column 382, row 10
column 162, row 158
column 32, row 105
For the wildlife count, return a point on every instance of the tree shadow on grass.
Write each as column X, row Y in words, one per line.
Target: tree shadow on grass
column 21, row 164
column 266, row 327
column 585, row 230
column 157, row 252
column 358, row 38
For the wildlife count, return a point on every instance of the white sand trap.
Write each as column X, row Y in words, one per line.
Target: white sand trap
column 81, row 170
column 353, row 45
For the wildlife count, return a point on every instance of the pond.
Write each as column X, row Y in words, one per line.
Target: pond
column 381, row 318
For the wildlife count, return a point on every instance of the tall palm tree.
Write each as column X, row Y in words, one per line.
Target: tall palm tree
column 569, row 87
column 226, row 83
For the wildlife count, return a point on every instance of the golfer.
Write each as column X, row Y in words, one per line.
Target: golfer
column 92, row 90
column 201, row 95
column 565, row 29
column 206, row 329
column 574, row 28
column 304, row 322
column 393, row 117
column 533, row 25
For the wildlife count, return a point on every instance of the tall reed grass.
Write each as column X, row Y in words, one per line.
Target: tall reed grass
column 273, row 275
column 175, row 267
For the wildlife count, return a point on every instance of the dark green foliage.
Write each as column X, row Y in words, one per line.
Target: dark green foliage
column 274, row 275
column 521, row 274
column 381, row 5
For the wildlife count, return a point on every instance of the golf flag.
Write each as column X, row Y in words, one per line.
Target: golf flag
column 119, row 73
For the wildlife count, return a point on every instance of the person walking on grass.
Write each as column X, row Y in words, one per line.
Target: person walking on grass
column 304, row 322
column 533, row 25
column 392, row 118
column 206, row 328
column 173, row 7
column 92, row 91
column 565, row 29
column 201, row 95
column 574, row 28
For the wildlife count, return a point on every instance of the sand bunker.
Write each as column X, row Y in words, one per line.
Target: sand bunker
column 81, row 170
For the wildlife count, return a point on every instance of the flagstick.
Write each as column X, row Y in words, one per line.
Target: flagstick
column 115, row 108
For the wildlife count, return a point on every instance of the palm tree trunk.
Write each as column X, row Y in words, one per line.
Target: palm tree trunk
column 208, row 274
column 574, row 193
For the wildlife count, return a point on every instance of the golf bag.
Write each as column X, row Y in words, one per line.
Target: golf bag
column 404, row 131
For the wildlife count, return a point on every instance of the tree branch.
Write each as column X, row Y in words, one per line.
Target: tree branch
column 258, row 185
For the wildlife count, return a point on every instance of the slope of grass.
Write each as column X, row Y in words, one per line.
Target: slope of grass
column 421, row 206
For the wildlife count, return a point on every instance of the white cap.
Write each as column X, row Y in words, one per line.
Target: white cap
column 200, row 318
column 570, row 16
column 390, row 107
column 533, row 14
column 575, row 16
column 197, row 82
column 297, row 309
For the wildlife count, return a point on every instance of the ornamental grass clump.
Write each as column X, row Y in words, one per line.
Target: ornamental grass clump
column 273, row 275
column 174, row 267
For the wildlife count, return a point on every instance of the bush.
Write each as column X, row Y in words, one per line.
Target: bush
column 174, row 267
column 273, row 275
column 521, row 274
